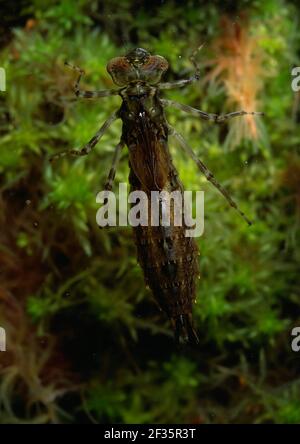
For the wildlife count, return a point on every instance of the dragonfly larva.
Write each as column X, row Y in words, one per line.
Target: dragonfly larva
column 168, row 258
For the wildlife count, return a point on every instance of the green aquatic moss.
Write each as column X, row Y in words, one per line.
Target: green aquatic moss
column 82, row 286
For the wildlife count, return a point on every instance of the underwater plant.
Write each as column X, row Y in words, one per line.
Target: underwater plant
column 237, row 64
column 85, row 341
column 31, row 381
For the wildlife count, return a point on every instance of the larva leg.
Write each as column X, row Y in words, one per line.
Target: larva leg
column 218, row 118
column 183, row 82
column 89, row 94
column 112, row 172
column 209, row 176
column 90, row 145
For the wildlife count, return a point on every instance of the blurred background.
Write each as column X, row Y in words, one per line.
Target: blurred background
column 85, row 341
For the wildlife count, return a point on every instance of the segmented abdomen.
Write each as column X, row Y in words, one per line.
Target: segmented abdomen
column 169, row 261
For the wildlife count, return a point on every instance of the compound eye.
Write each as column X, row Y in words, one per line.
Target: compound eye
column 120, row 71
column 154, row 68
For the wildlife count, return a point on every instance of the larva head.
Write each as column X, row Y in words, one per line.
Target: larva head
column 137, row 65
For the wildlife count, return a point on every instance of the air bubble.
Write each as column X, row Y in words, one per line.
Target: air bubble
column 28, row 202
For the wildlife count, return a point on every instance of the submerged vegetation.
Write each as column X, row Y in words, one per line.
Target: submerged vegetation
column 85, row 342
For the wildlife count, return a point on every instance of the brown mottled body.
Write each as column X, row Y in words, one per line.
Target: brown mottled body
column 167, row 256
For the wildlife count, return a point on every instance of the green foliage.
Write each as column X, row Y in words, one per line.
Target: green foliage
column 165, row 390
column 82, row 285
